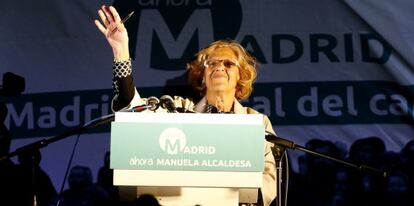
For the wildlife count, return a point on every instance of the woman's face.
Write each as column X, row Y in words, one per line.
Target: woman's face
column 221, row 72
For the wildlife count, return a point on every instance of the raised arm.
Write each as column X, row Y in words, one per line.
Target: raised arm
column 113, row 29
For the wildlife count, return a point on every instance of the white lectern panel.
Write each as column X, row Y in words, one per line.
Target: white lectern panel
column 188, row 178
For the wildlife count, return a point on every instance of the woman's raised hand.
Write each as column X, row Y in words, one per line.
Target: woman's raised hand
column 115, row 32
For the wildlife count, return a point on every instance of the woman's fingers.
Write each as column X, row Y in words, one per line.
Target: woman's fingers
column 108, row 14
column 100, row 27
column 103, row 17
column 110, row 21
column 115, row 14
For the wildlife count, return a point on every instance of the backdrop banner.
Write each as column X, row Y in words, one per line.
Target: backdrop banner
column 339, row 70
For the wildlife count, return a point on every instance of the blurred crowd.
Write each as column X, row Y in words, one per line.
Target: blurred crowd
column 321, row 182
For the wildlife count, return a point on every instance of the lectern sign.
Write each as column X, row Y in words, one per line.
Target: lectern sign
column 194, row 142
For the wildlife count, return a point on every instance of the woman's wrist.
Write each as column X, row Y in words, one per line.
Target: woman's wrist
column 121, row 56
column 121, row 53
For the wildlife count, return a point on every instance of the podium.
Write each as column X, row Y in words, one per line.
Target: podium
column 189, row 159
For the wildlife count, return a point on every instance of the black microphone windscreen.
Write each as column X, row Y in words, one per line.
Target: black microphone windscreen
column 153, row 102
column 167, row 102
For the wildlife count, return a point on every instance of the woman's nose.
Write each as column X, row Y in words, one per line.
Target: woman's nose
column 220, row 67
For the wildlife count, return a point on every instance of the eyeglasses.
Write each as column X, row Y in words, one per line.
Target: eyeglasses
column 213, row 63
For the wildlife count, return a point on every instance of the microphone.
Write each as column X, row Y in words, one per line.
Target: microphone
column 138, row 108
column 167, row 102
column 153, row 102
column 279, row 141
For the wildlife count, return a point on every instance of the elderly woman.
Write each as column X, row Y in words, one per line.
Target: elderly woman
column 223, row 73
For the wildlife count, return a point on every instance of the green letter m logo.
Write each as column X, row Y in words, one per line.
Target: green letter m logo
column 172, row 146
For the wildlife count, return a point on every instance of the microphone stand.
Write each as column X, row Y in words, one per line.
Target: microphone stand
column 31, row 148
column 278, row 154
column 284, row 144
column 91, row 124
column 46, row 141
